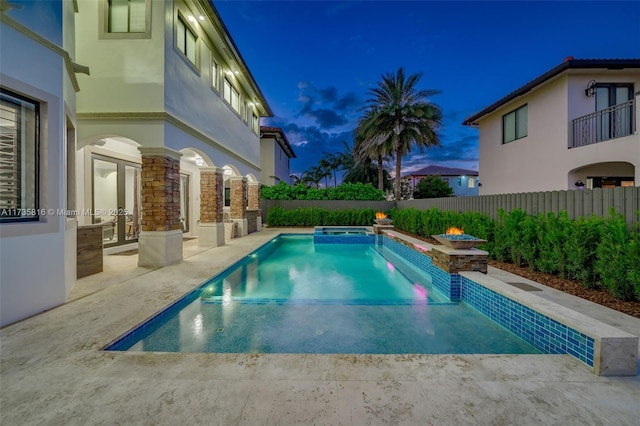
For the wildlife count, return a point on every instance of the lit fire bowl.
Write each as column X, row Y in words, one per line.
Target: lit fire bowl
column 383, row 221
column 461, row 241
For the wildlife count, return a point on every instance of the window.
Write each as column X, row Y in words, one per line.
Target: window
column 514, row 125
column 125, row 19
column 214, row 74
column 186, row 41
column 255, row 123
column 19, row 143
column 231, row 95
column 472, row 182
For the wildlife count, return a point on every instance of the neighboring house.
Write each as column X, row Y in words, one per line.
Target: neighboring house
column 572, row 127
column 275, row 156
column 463, row 182
column 37, row 144
column 167, row 123
column 168, row 88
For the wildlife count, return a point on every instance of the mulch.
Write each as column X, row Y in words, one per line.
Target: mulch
column 599, row 296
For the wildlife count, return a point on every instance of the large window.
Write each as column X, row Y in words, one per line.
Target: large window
column 125, row 19
column 186, row 40
column 19, row 145
column 514, row 125
column 231, row 95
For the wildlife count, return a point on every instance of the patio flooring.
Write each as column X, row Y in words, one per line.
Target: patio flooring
column 53, row 371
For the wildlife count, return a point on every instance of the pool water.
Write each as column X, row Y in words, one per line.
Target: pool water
column 294, row 296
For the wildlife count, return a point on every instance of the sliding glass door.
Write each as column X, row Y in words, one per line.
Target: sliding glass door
column 116, row 199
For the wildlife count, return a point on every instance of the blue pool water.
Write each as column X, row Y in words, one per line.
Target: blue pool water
column 294, row 296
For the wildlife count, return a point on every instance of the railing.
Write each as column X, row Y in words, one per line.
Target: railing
column 614, row 122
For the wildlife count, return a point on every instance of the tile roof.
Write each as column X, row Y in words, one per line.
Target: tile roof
column 568, row 63
column 442, row 171
column 282, row 140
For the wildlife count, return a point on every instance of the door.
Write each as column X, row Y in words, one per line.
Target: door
column 616, row 118
column 116, row 199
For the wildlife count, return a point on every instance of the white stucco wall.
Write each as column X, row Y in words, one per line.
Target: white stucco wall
column 38, row 73
column 267, row 161
column 190, row 97
column 281, row 164
column 127, row 75
column 541, row 161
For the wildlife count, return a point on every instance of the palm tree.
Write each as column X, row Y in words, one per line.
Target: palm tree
column 325, row 169
column 332, row 162
column 400, row 117
column 313, row 175
column 367, row 146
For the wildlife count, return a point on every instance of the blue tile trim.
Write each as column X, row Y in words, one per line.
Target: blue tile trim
column 546, row 334
column 343, row 239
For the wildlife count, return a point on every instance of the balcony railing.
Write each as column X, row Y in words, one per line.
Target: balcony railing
column 614, row 122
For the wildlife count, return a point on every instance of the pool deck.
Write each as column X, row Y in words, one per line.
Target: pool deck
column 53, row 371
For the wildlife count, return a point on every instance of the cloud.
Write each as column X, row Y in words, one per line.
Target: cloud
column 325, row 106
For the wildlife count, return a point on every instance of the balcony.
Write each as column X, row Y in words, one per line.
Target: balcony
column 614, row 122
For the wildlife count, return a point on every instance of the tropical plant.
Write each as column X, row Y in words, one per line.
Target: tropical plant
column 432, row 187
column 366, row 147
column 399, row 117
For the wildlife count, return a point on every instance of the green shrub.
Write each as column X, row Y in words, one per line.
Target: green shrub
column 346, row 191
column 617, row 263
column 278, row 216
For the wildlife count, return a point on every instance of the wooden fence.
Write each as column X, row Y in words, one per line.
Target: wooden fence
column 576, row 203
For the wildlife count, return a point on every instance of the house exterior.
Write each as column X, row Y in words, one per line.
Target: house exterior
column 463, row 182
column 162, row 142
column 37, row 146
column 171, row 100
column 275, row 156
column 574, row 126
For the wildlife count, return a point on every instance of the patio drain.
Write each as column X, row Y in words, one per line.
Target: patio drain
column 525, row 286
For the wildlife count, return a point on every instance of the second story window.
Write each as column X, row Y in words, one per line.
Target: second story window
column 255, row 123
column 231, row 95
column 514, row 125
column 214, row 74
column 186, row 41
column 124, row 19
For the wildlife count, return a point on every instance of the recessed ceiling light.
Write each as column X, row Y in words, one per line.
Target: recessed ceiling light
column 201, row 17
column 236, row 72
column 192, row 19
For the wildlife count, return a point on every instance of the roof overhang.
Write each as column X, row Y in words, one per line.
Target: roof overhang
column 587, row 64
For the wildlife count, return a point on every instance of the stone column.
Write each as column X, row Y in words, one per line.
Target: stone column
column 238, row 186
column 160, row 240
column 211, row 227
column 254, row 204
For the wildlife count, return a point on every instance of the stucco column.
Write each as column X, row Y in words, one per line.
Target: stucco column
column 254, row 207
column 238, row 213
column 636, row 179
column 160, row 241
column 211, row 227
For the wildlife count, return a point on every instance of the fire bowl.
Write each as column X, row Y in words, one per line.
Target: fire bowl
column 385, row 221
column 463, row 241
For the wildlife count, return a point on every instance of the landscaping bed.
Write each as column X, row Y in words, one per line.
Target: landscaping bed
column 599, row 296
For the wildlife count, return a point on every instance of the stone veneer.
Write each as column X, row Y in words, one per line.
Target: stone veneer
column 160, row 193
column 238, row 208
column 453, row 261
column 211, row 195
column 254, row 196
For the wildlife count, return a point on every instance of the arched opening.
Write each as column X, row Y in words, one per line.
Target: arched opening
column 109, row 187
column 602, row 175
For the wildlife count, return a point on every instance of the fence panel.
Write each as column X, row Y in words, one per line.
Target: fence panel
column 576, row 203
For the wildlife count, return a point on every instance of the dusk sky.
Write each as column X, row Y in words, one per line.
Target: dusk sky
column 315, row 60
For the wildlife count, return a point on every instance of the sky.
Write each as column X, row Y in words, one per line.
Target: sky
column 316, row 61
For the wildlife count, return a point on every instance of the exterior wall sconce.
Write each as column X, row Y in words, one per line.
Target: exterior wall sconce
column 591, row 89
column 199, row 161
column 579, row 184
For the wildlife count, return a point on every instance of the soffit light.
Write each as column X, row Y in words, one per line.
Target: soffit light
column 199, row 160
column 201, row 17
column 191, row 18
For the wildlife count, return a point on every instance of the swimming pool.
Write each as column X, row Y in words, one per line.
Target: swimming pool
column 294, row 296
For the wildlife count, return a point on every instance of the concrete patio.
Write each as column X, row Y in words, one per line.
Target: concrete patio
column 54, row 372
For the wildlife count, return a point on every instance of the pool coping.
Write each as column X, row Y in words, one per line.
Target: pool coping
column 614, row 351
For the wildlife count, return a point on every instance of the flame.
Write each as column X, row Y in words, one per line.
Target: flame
column 454, row 231
column 381, row 215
